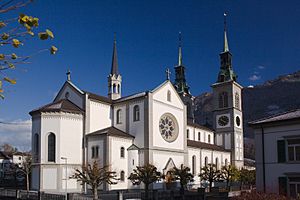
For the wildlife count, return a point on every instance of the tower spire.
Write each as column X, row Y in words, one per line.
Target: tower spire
column 226, row 47
column 179, row 50
column 114, row 65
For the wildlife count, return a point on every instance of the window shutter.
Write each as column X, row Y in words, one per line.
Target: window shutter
column 281, row 151
column 282, row 183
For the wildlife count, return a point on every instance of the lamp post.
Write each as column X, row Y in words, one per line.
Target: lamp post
column 66, row 179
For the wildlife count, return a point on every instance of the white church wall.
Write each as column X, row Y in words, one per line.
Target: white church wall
column 100, row 116
column 161, row 158
column 72, row 183
column 119, row 164
column 133, row 161
column 92, row 142
column 49, row 180
column 35, row 178
column 122, row 124
column 36, row 129
column 219, row 139
column 136, row 128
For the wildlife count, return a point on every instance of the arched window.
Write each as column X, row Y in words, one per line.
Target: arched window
column 114, row 88
column 206, row 161
column 223, row 100
column 51, row 147
column 237, row 100
column 36, row 143
column 194, row 165
column 169, row 95
column 119, row 116
column 226, row 162
column 217, row 163
column 122, row 152
column 199, row 136
column 118, row 89
column 122, row 176
column 136, row 113
column 208, row 138
column 95, row 151
column 187, row 133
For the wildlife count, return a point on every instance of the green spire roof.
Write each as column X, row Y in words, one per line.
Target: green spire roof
column 226, row 47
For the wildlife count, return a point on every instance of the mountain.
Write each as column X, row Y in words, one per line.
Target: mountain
column 272, row 97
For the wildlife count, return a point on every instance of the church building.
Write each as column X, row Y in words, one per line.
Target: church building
column 156, row 126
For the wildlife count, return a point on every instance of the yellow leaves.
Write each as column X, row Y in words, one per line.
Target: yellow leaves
column 53, row 50
column 14, row 56
column 28, row 21
column 45, row 35
column 16, row 43
column 2, row 24
column 2, row 56
column 5, row 36
column 12, row 81
column 11, row 66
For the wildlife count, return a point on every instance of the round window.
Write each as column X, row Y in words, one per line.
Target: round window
column 168, row 127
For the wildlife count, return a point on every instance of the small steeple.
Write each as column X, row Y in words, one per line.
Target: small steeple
column 68, row 75
column 226, row 47
column 179, row 50
column 114, row 65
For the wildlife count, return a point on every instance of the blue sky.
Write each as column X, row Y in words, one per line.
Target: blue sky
column 263, row 38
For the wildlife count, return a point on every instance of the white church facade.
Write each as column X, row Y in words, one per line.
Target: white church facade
column 156, row 127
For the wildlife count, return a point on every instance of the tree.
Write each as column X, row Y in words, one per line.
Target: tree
column 25, row 168
column 247, row 176
column 146, row 174
column 183, row 175
column 211, row 174
column 229, row 174
column 95, row 176
column 15, row 32
column 7, row 148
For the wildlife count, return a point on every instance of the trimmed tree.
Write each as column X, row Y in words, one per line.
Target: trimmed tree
column 94, row 176
column 229, row 174
column 25, row 169
column 211, row 174
column 183, row 175
column 146, row 174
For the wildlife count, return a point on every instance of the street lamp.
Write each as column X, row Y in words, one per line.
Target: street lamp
column 66, row 179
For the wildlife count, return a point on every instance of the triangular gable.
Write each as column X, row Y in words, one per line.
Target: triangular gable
column 170, row 165
column 160, row 93
column 76, row 95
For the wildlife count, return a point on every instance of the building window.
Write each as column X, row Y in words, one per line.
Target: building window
column 199, row 136
column 223, row 100
column 95, row 151
column 118, row 89
column 217, row 163
column 187, row 133
column 119, row 116
column 132, row 161
column 208, row 138
column 294, row 185
column 169, row 96
column 122, row 152
column 226, row 162
column 206, row 161
column 122, row 176
column 293, row 149
column 114, row 88
column 237, row 100
column 51, row 147
column 136, row 113
column 36, row 144
column 194, row 165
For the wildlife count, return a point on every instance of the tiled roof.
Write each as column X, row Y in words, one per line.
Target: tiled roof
column 199, row 126
column 111, row 131
column 98, row 97
column 202, row 145
column 63, row 105
column 133, row 96
column 290, row 115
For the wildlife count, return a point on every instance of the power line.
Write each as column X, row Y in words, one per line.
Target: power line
column 15, row 123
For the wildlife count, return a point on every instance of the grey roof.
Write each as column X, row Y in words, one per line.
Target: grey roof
column 111, row 131
column 98, row 97
column 203, row 145
column 290, row 115
column 63, row 105
column 199, row 126
column 114, row 65
column 133, row 96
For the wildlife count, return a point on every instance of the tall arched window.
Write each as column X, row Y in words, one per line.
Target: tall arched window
column 95, row 151
column 169, row 95
column 136, row 113
column 36, row 143
column 187, row 133
column 118, row 88
column 119, row 116
column 208, row 138
column 199, row 136
column 206, row 161
column 223, row 100
column 114, row 88
column 194, row 165
column 122, row 176
column 226, row 162
column 51, row 147
column 217, row 163
column 237, row 100
column 122, row 152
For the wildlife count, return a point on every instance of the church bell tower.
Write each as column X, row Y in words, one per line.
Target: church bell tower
column 114, row 78
column 181, row 85
column 227, row 107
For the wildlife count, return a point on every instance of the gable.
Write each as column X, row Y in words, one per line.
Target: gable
column 72, row 93
column 161, row 94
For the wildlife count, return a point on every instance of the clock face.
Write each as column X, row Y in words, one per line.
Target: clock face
column 168, row 127
column 238, row 121
column 223, row 120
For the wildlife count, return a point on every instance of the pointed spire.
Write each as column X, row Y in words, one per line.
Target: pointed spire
column 179, row 51
column 226, row 47
column 114, row 65
column 68, row 75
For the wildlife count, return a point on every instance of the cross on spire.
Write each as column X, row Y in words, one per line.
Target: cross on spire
column 168, row 73
column 68, row 75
